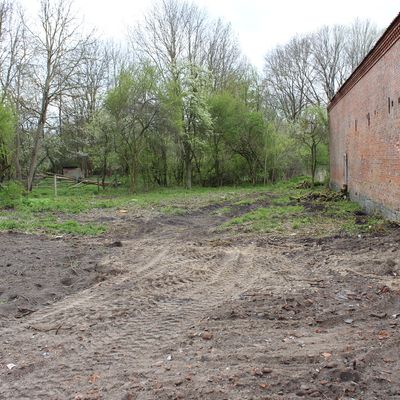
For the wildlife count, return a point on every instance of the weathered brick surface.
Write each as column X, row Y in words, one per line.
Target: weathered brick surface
column 363, row 127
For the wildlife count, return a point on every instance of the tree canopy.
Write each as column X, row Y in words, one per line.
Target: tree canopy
column 178, row 105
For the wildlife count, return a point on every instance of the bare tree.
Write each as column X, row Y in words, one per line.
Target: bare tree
column 328, row 47
column 224, row 58
column 290, row 78
column 59, row 50
column 310, row 69
column 361, row 37
column 85, row 96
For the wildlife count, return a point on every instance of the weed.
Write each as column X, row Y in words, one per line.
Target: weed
column 246, row 202
column 172, row 210
column 266, row 219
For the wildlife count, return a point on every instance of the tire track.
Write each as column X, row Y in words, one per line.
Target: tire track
column 148, row 308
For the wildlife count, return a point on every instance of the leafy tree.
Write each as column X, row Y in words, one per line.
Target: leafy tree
column 312, row 131
column 133, row 105
column 241, row 130
column 223, row 114
column 102, row 139
column 7, row 131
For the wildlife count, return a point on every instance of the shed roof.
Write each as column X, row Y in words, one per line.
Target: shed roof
column 384, row 43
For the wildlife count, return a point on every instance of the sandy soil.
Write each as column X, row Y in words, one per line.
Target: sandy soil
column 169, row 308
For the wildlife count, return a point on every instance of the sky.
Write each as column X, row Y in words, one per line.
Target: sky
column 260, row 25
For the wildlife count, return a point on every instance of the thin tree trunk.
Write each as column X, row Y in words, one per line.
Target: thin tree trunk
column 35, row 154
column 313, row 163
column 104, row 169
column 17, row 156
column 133, row 174
column 164, row 173
column 188, row 164
column 188, row 173
column 265, row 169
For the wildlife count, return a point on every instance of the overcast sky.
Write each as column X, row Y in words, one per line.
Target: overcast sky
column 259, row 24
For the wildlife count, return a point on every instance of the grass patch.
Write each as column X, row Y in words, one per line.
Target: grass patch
column 247, row 202
column 296, row 210
column 343, row 208
column 293, row 209
column 50, row 225
column 172, row 210
column 301, row 221
column 267, row 219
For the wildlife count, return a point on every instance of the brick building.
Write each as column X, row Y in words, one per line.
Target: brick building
column 364, row 119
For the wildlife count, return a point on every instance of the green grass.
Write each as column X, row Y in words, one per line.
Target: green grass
column 247, row 202
column 343, row 208
column 50, row 225
column 173, row 210
column 301, row 221
column 267, row 219
column 292, row 213
column 290, row 210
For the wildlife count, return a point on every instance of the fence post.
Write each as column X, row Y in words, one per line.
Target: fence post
column 55, row 185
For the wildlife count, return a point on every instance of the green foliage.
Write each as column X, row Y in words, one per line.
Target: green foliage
column 133, row 106
column 312, row 132
column 237, row 140
column 11, row 195
column 102, row 138
column 7, row 126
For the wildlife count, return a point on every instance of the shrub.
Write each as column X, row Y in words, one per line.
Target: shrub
column 11, row 195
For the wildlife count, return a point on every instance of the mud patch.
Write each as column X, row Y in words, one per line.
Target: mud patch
column 37, row 271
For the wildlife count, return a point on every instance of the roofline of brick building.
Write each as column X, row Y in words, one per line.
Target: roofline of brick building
column 384, row 43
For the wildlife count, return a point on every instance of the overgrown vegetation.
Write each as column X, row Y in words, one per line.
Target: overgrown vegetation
column 178, row 106
column 286, row 208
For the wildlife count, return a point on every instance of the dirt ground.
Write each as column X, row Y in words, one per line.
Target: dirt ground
column 168, row 307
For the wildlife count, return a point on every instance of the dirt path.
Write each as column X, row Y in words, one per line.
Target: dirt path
column 167, row 308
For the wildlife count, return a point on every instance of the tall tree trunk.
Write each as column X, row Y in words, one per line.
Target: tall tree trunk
column 188, row 164
column 17, row 155
column 35, row 153
column 133, row 174
column 217, row 164
column 164, row 163
column 104, row 169
column 265, row 169
column 188, row 173
column 313, row 163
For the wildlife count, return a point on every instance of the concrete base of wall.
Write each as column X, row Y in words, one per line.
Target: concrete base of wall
column 370, row 206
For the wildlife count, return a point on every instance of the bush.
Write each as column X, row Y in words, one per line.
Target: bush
column 11, row 195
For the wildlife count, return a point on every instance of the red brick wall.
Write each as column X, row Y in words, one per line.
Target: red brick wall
column 373, row 150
